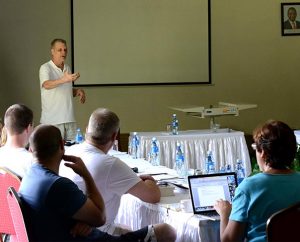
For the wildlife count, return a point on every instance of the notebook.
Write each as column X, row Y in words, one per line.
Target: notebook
column 205, row 189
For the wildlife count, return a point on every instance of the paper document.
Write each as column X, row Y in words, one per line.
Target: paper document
column 160, row 177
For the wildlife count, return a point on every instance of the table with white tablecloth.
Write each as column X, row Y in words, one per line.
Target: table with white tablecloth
column 189, row 227
column 226, row 145
column 137, row 214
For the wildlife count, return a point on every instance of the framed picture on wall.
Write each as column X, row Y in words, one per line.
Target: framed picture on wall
column 290, row 19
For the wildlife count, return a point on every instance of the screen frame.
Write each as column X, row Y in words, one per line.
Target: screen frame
column 145, row 83
column 204, row 176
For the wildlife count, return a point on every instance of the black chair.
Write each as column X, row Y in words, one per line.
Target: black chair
column 283, row 225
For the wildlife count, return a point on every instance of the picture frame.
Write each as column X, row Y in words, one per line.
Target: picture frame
column 290, row 19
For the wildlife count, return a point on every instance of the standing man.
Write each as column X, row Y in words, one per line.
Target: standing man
column 57, row 91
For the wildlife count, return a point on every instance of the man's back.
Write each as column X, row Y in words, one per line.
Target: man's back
column 52, row 201
column 113, row 177
column 17, row 160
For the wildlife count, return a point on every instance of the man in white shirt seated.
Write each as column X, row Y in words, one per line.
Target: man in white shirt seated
column 18, row 122
column 112, row 176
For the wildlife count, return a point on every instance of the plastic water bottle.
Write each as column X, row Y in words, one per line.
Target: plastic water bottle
column 209, row 163
column 116, row 145
column 79, row 137
column 179, row 162
column 135, row 146
column 154, row 154
column 222, row 169
column 240, row 171
column 225, row 169
column 175, row 124
column 228, row 168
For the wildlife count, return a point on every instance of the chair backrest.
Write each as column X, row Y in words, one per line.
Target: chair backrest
column 284, row 224
column 16, row 211
column 7, row 179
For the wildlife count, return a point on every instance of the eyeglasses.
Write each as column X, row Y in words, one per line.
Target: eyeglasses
column 253, row 146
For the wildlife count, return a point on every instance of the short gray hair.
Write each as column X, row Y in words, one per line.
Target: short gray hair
column 53, row 42
column 102, row 124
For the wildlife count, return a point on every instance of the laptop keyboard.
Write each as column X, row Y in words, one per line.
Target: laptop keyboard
column 212, row 215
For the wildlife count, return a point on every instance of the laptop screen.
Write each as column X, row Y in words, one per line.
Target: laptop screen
column 206, row 189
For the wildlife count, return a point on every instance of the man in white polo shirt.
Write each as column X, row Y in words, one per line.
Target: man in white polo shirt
column 57, row 91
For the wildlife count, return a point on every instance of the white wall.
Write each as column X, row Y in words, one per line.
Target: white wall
column 251, row 63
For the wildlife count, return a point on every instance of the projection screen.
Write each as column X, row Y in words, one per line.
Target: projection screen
column 141, row 42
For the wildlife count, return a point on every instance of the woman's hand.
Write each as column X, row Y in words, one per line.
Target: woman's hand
column 223, row 208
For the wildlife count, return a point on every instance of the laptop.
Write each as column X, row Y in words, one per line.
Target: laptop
column 205, row 189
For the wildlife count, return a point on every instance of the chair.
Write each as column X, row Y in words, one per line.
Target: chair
column 284, row 224
column 17, row 210
column 7, row 179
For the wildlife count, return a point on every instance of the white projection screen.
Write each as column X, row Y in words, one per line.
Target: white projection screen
column 141, row 42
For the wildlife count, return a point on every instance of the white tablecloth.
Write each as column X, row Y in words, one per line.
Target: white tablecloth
column 297, row 134
column 190, row 228
column 226, row 145
column 137, row 214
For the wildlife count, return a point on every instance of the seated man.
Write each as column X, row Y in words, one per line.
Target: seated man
column 18, row 123
column 58, row 210
column 112, row 176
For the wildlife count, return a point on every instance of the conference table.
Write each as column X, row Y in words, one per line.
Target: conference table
column 226, row 145
column 189, row 227
column 137, row 214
